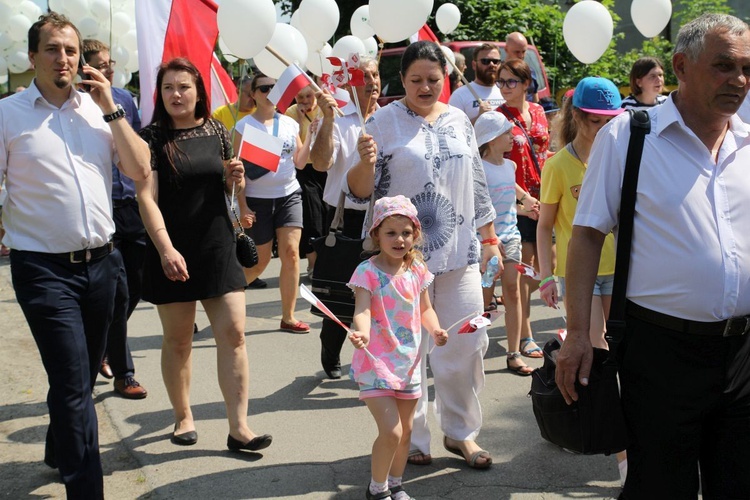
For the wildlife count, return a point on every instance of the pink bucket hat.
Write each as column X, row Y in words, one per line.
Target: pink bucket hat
column 394, row 205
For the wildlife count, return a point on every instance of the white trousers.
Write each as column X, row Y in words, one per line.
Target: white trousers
column 458, row 366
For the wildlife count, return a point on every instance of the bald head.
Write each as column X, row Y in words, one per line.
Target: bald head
column 516, row 45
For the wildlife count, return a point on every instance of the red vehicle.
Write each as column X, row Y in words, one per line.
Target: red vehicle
column 390, row 65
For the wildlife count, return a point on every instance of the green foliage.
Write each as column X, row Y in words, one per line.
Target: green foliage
column 685, row 11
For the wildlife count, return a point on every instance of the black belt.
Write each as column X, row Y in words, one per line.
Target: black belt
column 85, row 255
column 726, row 328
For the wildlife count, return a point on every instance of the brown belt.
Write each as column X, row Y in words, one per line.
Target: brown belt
column 726, row 328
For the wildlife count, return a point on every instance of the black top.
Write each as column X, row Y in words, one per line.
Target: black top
column 192, row 200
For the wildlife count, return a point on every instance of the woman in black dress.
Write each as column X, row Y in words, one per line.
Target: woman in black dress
column 191, row 252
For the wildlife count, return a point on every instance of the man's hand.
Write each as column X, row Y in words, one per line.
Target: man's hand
column 574, row 360
column 100, row 89
column 368, row 150
column 326, row 103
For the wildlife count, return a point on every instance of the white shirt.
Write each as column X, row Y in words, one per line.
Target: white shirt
column 463, row 99
column 691, row 236
column 57, row 165
column 744, row 111
column 283, row 182
column 346, row 132
column 439, row 168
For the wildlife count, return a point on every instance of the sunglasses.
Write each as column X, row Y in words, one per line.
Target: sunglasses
column 264, row 88
column 510, row 83
column 490, row 60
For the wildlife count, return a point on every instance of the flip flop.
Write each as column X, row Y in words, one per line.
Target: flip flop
column 412, row 458
column 534, row 352
column 471, row 461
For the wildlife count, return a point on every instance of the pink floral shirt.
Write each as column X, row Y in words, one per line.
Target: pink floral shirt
column 396, row 327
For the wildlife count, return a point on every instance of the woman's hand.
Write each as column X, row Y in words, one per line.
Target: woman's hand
column 530, row 207
column 488, row 251
column 368, row 150
column 174, row 266
column 549, row 294
column 359, row 340
column 440, row 337
column 247, row 218
column 234, row 171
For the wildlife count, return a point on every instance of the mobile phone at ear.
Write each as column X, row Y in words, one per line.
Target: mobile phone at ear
column 82, row 75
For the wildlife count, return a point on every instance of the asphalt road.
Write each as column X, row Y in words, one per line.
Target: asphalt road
column 322, row 433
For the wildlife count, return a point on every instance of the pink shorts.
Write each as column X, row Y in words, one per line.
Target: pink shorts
column 415, row 393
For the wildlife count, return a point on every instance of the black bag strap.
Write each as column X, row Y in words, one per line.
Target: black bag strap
column 640, row 126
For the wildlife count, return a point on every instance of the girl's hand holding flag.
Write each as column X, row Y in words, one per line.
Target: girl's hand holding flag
column 440, row 337
column 359, row 340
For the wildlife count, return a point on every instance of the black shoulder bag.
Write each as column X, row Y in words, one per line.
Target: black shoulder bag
column 595, row 423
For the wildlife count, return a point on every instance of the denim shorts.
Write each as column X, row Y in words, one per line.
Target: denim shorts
column 512, row 249
column 273, row 213
column 602, row 286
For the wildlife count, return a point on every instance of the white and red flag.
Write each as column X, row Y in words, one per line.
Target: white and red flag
column 260, row 148
column 292, row 80
column 425, row 33
column 340, row 95
column 179, row 28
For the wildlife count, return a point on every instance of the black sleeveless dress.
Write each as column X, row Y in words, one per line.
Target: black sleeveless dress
column 193, row 204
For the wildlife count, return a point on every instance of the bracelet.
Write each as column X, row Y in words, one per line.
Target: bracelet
column 546, row 280
column 546, row 285
column 490, row 241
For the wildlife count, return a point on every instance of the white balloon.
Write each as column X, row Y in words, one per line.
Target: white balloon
column 450, row 56
column 360, row 23
column 396, row 20
column 121, row 78
column 371, row 47
column 18, row 62
column 56, row 6
column 587, row 31
column 132, row 65
column 447, row 18
column 348, row 45
column 226, row 52
column 5, row 13
column 89, row 27
column 3, row 65
column 246, row 25
column 121, row 24
column 317, row 62
column 120, row 54
column 129, row 40
column 75, row 9
column 30, row 10
column 289, row 43
column 6, row 42
column 18, row 26
column 294, row 21
column 318, row 19
column 100, row 10
column 651, row 16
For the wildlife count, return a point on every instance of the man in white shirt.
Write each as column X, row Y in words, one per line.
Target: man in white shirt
column 56, row 154
column 685, row 357
column 335, row 151
column 485, row 62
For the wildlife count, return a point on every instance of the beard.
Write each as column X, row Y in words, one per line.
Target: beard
column 486, row 76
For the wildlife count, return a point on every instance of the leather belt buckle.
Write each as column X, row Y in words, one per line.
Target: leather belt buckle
column 77, row 257
column 737, row 326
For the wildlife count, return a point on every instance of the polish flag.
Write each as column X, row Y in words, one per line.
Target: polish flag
column 179, row 28
column 426, row 34
column 292, row 80
column 261, row 148
column 341, row 96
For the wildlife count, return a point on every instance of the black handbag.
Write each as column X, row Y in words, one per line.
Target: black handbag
column 247, row 252
column 337, row 258
column 595, row 424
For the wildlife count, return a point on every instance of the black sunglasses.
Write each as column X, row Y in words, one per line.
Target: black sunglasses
column 510, row 83
column 489, row 60
column 264, row 88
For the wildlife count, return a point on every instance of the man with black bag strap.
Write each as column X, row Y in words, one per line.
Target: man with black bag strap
column 334, row 151
column 685, row 357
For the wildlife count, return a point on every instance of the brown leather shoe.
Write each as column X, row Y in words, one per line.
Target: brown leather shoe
column 130, row 389
column 105, row 370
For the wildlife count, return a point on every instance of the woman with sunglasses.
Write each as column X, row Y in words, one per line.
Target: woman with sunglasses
column 191, row 254
column 276, row 199
column 530, row 144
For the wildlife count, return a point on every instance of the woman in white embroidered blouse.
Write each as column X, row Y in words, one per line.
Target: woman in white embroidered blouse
column 427, row 151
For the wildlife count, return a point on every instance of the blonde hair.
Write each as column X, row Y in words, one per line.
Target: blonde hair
column 414, row 254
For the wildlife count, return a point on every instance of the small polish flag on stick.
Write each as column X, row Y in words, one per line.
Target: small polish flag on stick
column 341, row 96
column 261, row 148
column 292, row 80
column 527, row 270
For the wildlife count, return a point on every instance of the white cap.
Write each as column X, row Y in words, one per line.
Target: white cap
column 490, row 125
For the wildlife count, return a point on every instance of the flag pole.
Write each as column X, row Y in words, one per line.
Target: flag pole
column 466, row 82
column 312, row 82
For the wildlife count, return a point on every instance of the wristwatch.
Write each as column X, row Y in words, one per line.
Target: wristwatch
column 119, row 113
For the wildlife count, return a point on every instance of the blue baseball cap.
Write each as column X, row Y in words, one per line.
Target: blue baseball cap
column 598, row 96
